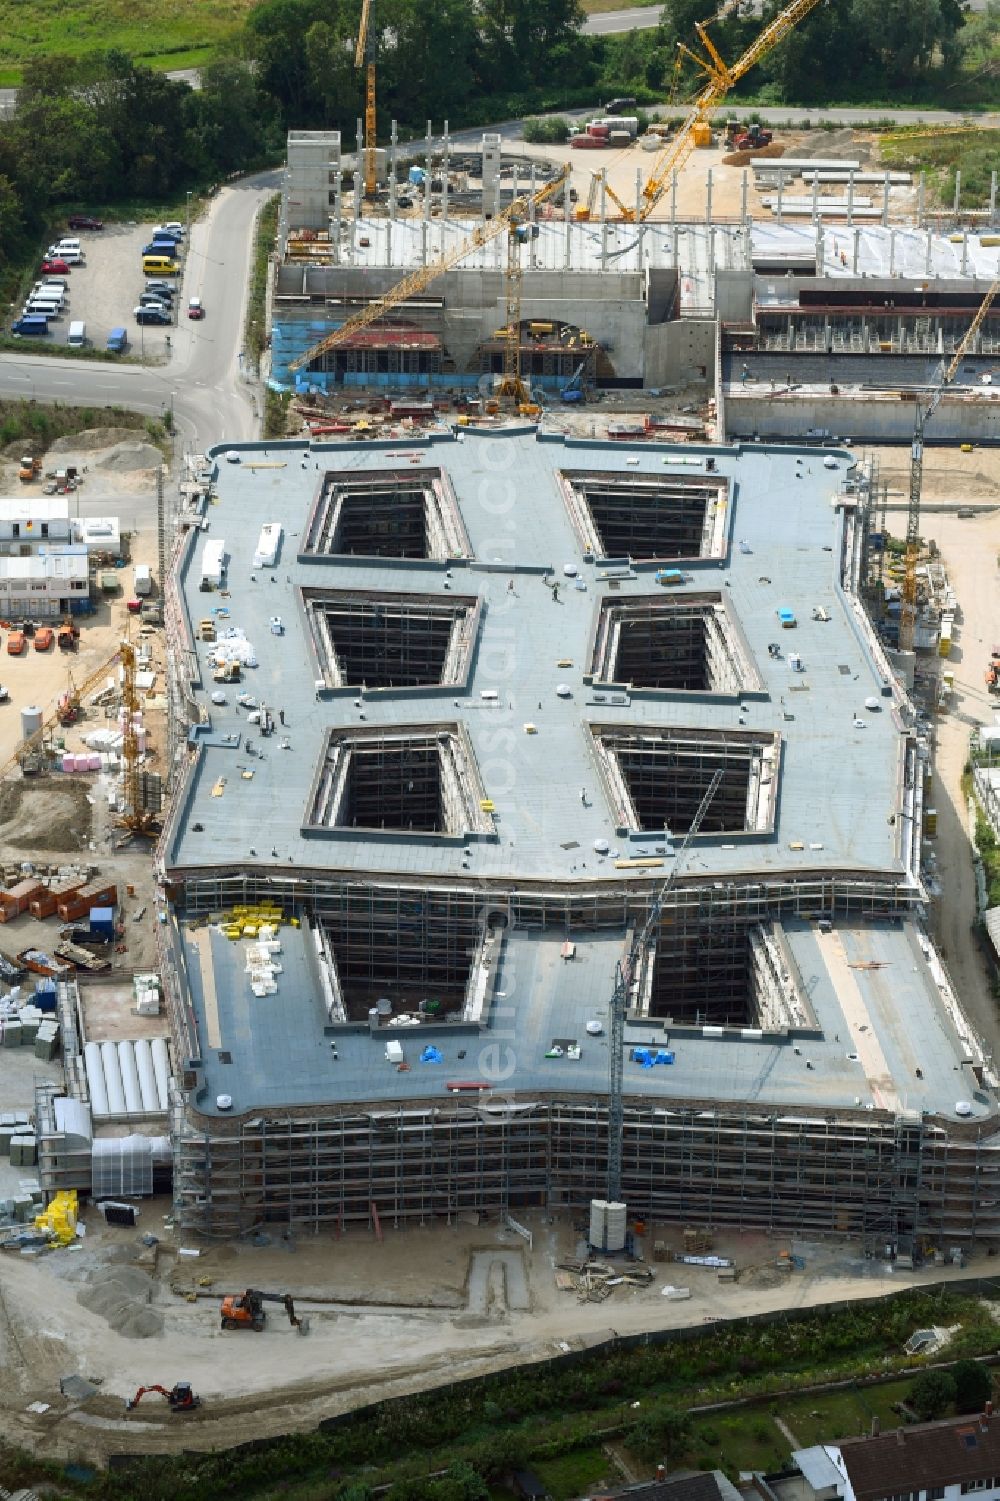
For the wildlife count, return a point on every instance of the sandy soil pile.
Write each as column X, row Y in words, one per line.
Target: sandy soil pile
column 122, row 1295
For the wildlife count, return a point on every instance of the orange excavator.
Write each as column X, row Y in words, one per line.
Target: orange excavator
column 180, row 1397
column 246, row 1311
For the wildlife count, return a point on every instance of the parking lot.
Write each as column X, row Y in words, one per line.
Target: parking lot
column 104, row 291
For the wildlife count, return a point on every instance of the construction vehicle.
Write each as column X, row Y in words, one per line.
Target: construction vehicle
column 16, row 645
column 246, row 1311
column 752, row 139
column 67, row 636
column 418, row 281
column 180, row 1397
column 30, row 469
column 364, row 56
column 908, row 613
column 44, row 637
column 573, row 392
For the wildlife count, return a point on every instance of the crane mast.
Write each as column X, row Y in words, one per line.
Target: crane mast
column 627, row 970
column 923, row 414
column 364, row 57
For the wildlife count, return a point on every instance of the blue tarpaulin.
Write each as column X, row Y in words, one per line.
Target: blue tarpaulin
column 431, row 1055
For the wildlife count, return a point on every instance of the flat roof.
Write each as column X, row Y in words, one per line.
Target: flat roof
column 781, row 549
column 888, row 1042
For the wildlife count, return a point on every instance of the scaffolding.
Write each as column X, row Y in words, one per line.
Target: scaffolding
column 646, row 517
column 688, row 645
column 369, row 640
column 410, row 514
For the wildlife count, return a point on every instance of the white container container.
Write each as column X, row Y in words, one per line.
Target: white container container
column 95, row 1080
column 113, row 1079
column 147, row 1076
column 130, row 1078
column 268, row 544
column 31, row 721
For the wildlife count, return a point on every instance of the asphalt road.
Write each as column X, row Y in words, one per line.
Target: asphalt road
column 640, row 19
column 201, row 382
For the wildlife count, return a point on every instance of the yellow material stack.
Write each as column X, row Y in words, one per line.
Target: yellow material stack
column 59, row 1220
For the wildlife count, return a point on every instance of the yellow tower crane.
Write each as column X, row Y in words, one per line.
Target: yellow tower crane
column 908, row 614
column 364, row 57
column 517, row 214
column 66, row 710
column 720, row 79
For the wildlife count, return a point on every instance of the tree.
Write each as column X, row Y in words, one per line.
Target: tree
column 973, row 1385
column 662, row 1436
column 931, row 1394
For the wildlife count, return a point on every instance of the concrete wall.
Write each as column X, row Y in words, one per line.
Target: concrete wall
column 679, row 353
column 969, row 420
column 734, row 296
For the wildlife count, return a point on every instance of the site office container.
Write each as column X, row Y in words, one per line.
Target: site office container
column 588, row 143
column 16, row 899
column 78, row 904
column 46, row 902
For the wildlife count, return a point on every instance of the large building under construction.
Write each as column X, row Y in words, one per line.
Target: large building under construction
column 487, row 680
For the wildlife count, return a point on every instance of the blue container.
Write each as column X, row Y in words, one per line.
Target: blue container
column 45, row 995
column 417, row 175
column 102, row 920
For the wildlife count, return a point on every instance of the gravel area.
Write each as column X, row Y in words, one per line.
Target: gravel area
column 104, row 291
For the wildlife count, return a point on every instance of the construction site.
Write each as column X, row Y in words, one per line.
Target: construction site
column 532, row 801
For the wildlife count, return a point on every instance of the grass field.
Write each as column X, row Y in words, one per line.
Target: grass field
column 160, row 33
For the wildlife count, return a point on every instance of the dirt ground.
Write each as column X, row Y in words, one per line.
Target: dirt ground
column 455, row 1301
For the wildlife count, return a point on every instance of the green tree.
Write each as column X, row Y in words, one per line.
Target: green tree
column 931, row 1394
column 973, row 1385
column 662, row 1436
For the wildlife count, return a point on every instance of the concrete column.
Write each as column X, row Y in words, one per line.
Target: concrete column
column 532, row 212
column 815, row 195
column 673, row 207
column 743, row 198
column 393, row 145
column 993, row 199
column 708, row 197
column 568, row 231
column 850, row 199
column 892, row 252
column 640, row 225
column 338, row 205
column 359, row 171
column 604, row 218
column 920, row 200
column 711, row 249
column 819, row 248
column 427, row 150
column 854, row 263
column 673, row 236
column 930, row 245
column 496, row 196
column 965, row 251
column 444, row 175
column 781, row 193
column 424, row 226
column 885, row 198
column 958, row 192
column 388, row 242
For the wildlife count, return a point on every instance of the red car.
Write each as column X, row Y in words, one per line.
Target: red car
column 84, row 221
column 196, row 308
column 55, row 267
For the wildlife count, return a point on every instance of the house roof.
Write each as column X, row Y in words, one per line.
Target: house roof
column 705, row 1485
column 926, row 1455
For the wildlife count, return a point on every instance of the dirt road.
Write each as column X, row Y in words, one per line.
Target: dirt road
column 464, row 1301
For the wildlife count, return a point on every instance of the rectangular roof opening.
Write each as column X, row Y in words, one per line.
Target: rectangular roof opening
column 689, row 644
column 656, row 779
column 407, row 514
column 647, row 517
column 372, row 640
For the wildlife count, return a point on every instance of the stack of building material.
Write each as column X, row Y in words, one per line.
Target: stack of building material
column 146, row 989
column 30, row 1018
column 262, row 964
column 47, row 1040
column 23, row 1151
column 10, row 1032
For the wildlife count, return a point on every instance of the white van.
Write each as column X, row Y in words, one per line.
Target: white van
column 47, row 294
column 77, row 335
column 46, row 306
column 70, row 243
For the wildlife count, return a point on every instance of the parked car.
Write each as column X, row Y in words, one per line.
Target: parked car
column 66, row 254
column 56, row 264
column 31, row 325
column 196, row 308
column 84, row 221
column 172, row 227
column 153, row 299
column 164, row 289
column 44, row 637
column 152, row 315
column 117, row 341
column 161, row 247
column 15, row 644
